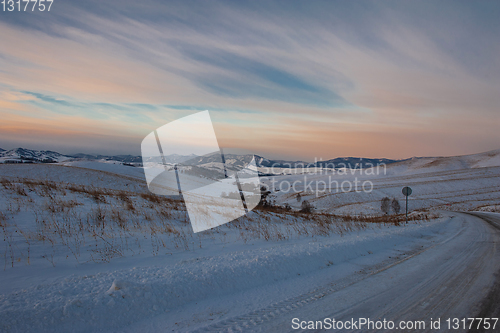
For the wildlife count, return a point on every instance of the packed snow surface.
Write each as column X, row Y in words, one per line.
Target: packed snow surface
column 87, row 248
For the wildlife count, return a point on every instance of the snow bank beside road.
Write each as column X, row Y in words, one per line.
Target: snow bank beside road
column 117, row 298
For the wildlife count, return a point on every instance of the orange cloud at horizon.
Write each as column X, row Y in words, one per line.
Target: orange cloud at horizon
column 355, row 140
column 68, row 133
column 306, row 139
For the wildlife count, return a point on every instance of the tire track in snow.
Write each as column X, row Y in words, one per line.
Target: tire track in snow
column 257, row 317
column 441, row 292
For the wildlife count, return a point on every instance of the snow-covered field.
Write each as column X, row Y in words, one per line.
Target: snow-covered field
column 468, row 182
column 87, row 248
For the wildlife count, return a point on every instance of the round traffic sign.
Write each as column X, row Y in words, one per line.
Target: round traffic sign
column 406, row 191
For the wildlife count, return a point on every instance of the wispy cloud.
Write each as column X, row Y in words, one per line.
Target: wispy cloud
column 310, row 73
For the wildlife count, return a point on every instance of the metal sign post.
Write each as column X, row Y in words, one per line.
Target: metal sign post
column 406, row 192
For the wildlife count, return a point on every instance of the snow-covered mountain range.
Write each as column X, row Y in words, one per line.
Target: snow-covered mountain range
column 22, row 155
column 422, row 164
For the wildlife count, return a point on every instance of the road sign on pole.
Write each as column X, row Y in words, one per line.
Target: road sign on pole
column 407, row 192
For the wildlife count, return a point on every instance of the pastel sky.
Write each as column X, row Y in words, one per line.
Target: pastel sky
column 284, row 79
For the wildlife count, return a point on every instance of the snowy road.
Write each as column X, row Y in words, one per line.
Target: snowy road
column 443, row 268
column 452, row 277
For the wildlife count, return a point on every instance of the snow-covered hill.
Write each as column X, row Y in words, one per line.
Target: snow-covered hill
column 435, row 164
column 454, row 183
column 29, row 155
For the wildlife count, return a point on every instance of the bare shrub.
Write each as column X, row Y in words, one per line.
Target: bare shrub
column 44, row 188
column 169, row 229
column 49, row 186
column 77, row 188
column 107, row 252
column 19, row 189
column 123, row 196
column 385, row 205
column 3, row 218
column 118, row 218
column 57, row 205
column 7, row 184
column 396, row 207
column 322, row 226
column 152, row 197
column 98, row 216
column 165, row 213
column 389, row 219
column 180, row 240
column 130, row 206
column 97, row 194
column 306, row 207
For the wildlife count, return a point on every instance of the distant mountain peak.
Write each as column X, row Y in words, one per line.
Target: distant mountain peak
column 29, row 155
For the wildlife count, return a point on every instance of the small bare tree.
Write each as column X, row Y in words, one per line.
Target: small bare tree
column 385, row 205
column 395, row 206
column 307, row 207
